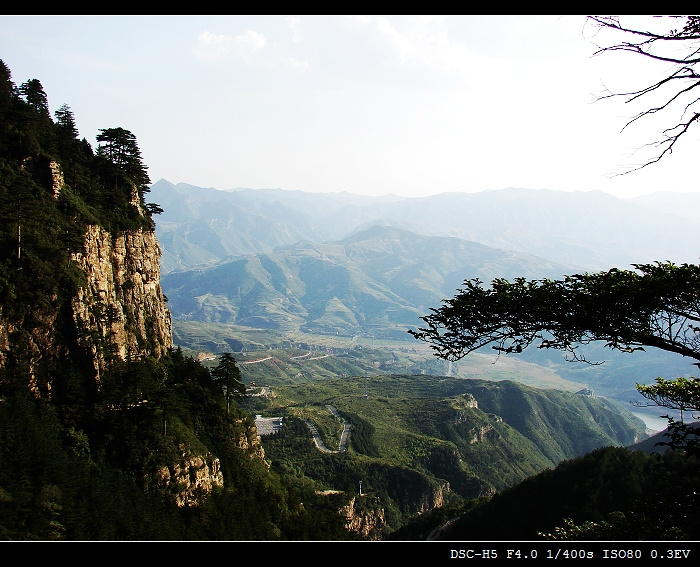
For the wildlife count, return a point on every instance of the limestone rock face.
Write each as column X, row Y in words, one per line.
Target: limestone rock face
column 433, row 499
column 365, row 516
column 249, row 442
column 113, row 308
column 366, row 520
column 122, row 304
column 120, row 308
column 190, row 477
column 480, row 433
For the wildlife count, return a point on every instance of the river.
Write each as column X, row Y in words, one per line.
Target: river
column 653, row 421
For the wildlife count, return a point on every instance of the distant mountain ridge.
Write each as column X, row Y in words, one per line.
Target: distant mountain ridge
column 349, row 265
column 586, row 230
column 684, row 205
column 382, row 277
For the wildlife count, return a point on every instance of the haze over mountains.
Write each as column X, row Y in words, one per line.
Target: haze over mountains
column 580, row 230
column 344, row 264
column 379, row 277
column 338, row 263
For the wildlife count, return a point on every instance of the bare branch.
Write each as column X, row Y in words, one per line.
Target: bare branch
column 690, row 31
column 649, row 46
column 637, row 48
column 669, row 142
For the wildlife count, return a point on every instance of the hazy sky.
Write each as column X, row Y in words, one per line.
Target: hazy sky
column 368, row 104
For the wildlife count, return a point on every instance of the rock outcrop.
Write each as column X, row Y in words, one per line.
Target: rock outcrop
column 366, row 519
column 118, row 309
column 365, row 516
column 121, row 309
column 249, row 442
column 110, row 306
column 190, row 477
column 433, row 499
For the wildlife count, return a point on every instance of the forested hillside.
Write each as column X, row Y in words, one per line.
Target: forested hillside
column 105, row 432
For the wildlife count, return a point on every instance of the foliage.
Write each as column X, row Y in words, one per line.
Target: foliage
column 95, row 478
column 685, row 436
column 668, row 510
column 655, row 495
column 426, row 428
column 82, row 463
column 655, row 305
column 82, row 459
column 658, row 305
column 227, row 374
column 51, row 493
column 362, row 433
column 106, row 187
column 682, row 394
column 119, row 147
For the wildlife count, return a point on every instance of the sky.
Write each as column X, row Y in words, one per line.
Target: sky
column 373, row 105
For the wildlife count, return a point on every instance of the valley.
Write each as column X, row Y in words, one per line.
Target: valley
column 449, row 439
column 316, row 309
column 127, row 345
column 251, row 270
column 414, row 420
column 290, row 356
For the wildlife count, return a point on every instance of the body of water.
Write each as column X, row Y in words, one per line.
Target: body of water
column 654, row 422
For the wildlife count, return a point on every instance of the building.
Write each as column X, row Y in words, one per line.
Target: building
column 267, row 425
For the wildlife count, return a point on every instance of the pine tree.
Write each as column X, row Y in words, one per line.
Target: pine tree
column 228, row 375
column 120, row 148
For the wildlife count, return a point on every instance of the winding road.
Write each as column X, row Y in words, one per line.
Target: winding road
column 320, row 445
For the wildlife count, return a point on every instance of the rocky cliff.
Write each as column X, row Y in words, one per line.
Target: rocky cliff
column 117, row 309
column 114, row 309
column 365, row 515
column 121, row 310
column 366, row 519
column 190, row 477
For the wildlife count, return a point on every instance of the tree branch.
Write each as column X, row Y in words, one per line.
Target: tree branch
column 651, row 46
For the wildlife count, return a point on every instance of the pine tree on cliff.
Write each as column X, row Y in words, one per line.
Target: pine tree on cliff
column 120, row 148
column 228, row 375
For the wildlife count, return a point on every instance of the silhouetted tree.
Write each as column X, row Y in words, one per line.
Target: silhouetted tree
column 228, row 375
column 67, row 131
column 8, row 90
column 682, row 394
column 655, row 305
column 35, row 96
column 120, row 148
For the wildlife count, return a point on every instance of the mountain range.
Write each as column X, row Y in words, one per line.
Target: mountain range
column 379, row 277
column 110, row 431
column 581, row 230
column 339, row 264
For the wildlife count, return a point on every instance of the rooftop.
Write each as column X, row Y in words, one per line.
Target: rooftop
column 268, row 425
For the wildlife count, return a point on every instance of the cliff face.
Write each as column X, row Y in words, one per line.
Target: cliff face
column 249, row 442
column 432, row 499
column 190, row 477
column 194, row 475
column 118, row 308
column 365, row 516
column 121, row 309
column 366, row 519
